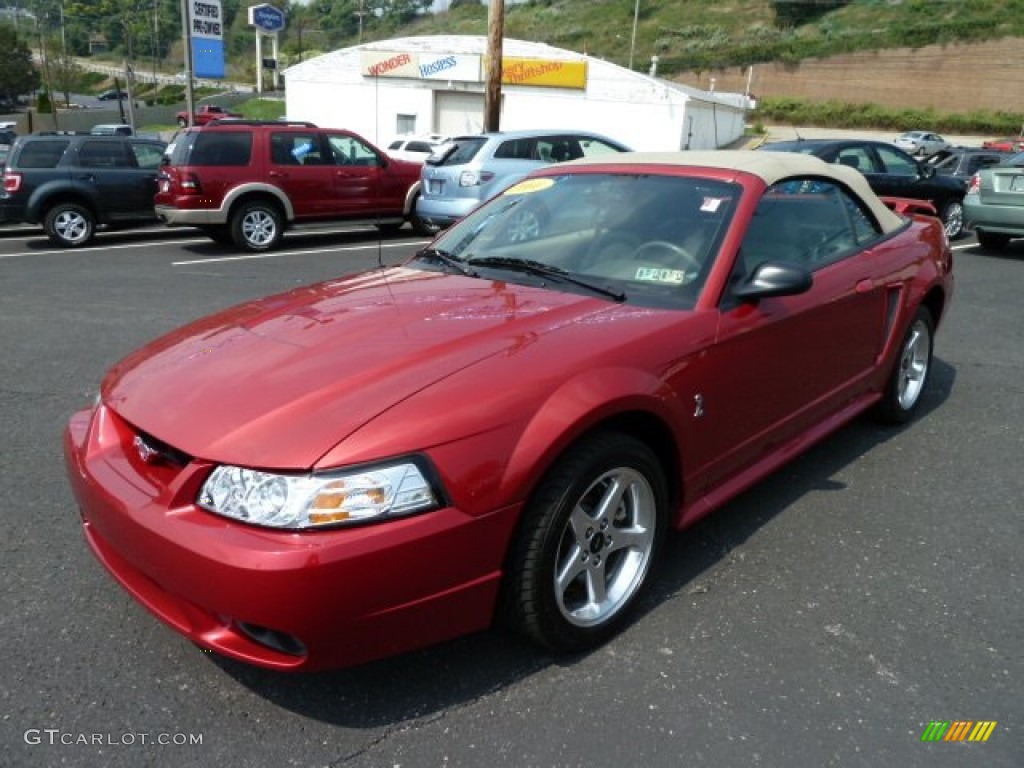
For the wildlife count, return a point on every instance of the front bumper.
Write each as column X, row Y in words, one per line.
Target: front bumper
column 278, row 599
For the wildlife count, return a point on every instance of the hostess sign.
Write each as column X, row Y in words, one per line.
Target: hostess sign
column 266, row 18
column 206, row 32
column 468, row 68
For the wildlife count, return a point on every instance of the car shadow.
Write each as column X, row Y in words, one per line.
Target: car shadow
column 420, row 683
column 1012, row 251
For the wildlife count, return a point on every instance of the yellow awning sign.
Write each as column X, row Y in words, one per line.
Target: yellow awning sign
column 550, row 73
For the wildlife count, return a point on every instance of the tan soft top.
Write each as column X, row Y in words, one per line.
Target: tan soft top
column 772, row 167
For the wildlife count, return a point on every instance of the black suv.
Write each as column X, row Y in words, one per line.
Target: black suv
column 73, row 183
column 964, row 162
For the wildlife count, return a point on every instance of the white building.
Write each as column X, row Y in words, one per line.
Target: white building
column 436, row 84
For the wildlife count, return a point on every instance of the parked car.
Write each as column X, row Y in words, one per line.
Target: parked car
column 505, row 428
column 891, row 172
column 244, row 182
column 467, row 170
column 73, row 184
column 7, row 138
column 112, row 95
column 964, row 162
column 205, row 113
column 994, row 206
column 112, row 129
column 921, row 143
column 1006, row 144
column 415, row 148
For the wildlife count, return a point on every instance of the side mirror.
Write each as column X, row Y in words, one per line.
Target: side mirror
column 774, row 278
column 927, row 171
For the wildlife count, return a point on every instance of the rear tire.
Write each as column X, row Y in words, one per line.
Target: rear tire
column 526, row 224
column 69, row 225
column 992, row 240
column 256, row 226
column 910, row 373
column 587, row 543
column 953, row 219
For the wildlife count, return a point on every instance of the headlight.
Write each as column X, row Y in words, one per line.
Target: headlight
column 315, row 501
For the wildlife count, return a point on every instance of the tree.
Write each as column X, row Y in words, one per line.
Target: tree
column 400, row 11
column 793, row 13
column 17, row 73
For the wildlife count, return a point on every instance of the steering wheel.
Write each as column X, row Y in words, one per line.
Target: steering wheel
column 668, row 254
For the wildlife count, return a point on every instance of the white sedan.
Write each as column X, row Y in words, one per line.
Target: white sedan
column 921, row 143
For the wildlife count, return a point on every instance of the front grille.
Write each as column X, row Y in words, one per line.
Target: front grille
column 153, row 451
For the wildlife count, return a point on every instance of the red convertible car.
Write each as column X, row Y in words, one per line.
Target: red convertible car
column 505, row 427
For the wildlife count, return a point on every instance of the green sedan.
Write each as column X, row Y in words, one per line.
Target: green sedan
column 994, row 204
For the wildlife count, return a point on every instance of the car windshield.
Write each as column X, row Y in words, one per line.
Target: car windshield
column 645, row 239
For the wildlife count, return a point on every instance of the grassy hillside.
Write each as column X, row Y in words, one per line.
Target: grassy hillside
column 697, row 35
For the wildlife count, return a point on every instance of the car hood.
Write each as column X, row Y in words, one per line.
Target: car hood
column 276, row 383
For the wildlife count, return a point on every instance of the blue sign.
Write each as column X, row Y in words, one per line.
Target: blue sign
column 266, row 17
column 206, row 33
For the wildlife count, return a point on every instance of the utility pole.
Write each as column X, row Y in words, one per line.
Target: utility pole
column 492, row 96
column 632, row 39
column 186, row 24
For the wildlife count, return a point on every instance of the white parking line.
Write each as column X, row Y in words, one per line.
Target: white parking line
column 102, row 248
column 98, row 248
column 963, row 245
column 279, row 254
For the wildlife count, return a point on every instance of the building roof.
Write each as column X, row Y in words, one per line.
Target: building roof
column 319, row 67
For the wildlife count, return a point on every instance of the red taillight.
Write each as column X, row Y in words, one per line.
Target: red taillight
column 975, row 186
column 12, row 182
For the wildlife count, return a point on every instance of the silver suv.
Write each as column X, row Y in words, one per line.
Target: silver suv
column 467, row 170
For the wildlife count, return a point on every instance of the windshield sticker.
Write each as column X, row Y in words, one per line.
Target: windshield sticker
column 711, row 204
column 656, row 275
column 530, row 185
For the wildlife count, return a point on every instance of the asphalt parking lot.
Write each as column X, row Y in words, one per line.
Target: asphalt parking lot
column 824, row 618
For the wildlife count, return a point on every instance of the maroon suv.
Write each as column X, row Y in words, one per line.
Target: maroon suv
column 244, row 182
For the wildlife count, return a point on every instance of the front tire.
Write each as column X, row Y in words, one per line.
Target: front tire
column 953, row 219
column 256, row 226
column 910, row 373
column 420, row 225
column 69, row 225
column 587, row 543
